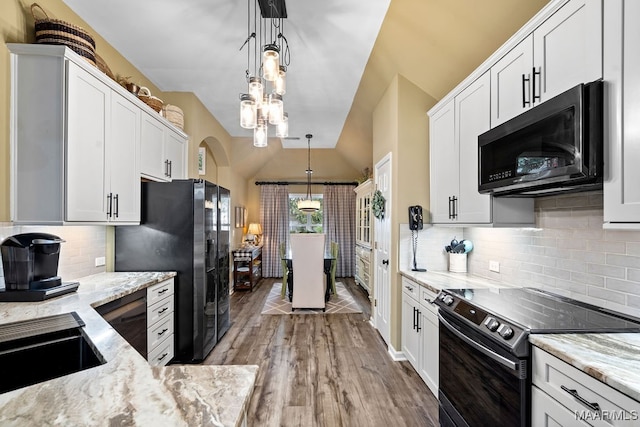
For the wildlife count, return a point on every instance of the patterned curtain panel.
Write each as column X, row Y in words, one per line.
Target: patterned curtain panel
column 274, row 217
column 340, row 225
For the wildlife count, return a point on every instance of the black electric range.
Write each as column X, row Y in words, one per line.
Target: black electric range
column 509, row 315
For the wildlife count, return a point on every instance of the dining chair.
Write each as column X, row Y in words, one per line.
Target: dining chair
column 309, row 284
column 285, row 269
column 335, row 250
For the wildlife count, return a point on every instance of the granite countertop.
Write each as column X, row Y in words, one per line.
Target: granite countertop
column 126, row 390
column 435, row 281
column 613, row 359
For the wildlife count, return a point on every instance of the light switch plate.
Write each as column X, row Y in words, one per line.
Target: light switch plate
column 100, row 261
column 494, row 266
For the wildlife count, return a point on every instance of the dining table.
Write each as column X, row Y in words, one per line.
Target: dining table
column 327, row 271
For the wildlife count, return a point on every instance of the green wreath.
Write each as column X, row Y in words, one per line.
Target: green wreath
column 377, row 204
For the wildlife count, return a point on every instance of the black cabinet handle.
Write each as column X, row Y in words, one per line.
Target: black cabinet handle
column 170, row 168
column 109, row 199
column 161, row 333
column 525, row 79
column 454, row 199
column 163, row 310
column 163, row 291
column 166, row 168
column 418, row 320
column 115, row 202
column 385, row 262
column 163, row 356
column 414, row 319
column 539, row 74
column 592, row 406
column 450, row 209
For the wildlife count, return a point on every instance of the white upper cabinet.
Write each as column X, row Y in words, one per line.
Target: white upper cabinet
column 163, row 150
column 622, row 109
column 454, row 130
column 563, row 51
column 75, row 141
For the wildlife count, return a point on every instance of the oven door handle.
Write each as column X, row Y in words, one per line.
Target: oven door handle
column 481, row 348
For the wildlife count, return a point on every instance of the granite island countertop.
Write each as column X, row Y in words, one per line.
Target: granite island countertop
column 613, row 359
column 125, row 390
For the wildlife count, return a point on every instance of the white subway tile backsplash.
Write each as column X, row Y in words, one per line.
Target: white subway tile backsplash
column 83, row 244
column 568, row 253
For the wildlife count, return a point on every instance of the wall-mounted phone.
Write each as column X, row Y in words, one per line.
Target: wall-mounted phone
column 415, row 217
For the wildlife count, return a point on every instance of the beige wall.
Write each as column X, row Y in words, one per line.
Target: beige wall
column 400, row 126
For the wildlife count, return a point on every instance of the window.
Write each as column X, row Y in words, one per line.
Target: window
column 300, row 222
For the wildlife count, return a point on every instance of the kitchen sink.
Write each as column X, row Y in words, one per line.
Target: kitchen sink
column 41, row 349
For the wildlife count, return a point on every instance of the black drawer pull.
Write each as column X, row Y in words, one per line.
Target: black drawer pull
column 593, row 406
column 162, row 332
column 163, row 310
column 163, row 356
column 163, row 291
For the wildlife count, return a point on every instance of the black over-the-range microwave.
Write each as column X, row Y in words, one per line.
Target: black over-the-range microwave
column 552, row 148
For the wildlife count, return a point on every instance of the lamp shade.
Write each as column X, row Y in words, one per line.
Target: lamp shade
column 270, row 62
column 309, row 206
column 255, row 229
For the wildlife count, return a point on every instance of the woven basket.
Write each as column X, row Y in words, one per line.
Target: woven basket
column 55, row 31
column 174, row 115
column 152, row 101
column 102, row 66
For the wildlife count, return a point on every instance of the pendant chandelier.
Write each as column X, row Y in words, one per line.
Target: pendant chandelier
column 267, row 59
column 307, row 205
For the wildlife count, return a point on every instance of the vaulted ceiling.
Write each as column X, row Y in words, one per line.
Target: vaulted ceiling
column 344, row 55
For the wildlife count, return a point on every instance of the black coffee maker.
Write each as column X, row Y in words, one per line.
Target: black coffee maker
column 30, row 263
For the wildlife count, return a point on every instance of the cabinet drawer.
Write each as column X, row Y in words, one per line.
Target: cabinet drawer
column 158, row 332
column 160, row 310
column 163, row 353
column 577, row 391
column 161, row 290
column 425, row 297
column 548, row 412
column 410, row 287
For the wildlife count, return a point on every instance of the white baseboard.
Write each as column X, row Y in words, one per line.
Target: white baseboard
column 396, row 355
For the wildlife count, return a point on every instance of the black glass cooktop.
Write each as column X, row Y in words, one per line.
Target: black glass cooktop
column 539, row 311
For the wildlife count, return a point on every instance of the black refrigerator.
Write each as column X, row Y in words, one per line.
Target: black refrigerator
column 185, row 227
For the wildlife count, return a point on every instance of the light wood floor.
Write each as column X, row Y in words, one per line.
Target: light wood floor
column 321, row 370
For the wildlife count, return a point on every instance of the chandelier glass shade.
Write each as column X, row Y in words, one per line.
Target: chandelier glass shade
column 307, row 205
column 267, row 59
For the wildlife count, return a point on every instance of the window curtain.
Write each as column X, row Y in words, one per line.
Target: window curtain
column 274, row 217
column 340, row 225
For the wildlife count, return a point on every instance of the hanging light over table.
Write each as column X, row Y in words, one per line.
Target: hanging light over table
column 308, row 205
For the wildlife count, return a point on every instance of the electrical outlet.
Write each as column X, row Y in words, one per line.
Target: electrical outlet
column 100, row 261
column 494, row 266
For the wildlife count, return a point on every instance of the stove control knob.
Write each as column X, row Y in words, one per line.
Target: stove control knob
column 491, row 324
column 505, row 332
column 448, row 300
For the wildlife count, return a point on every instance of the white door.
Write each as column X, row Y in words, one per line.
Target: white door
column 124, row 172
column 174, row 150
column 153, row 161
column 567, row 48
column 382, row 251
column 444, row 163
column 87, row 109
column 511, row 83
column 472, row 119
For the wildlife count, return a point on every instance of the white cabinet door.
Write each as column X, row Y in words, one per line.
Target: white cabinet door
column 88, row 103
column 443, row 152
column 175, row 153
column 429, row 354
column 410, row 332
column 622, row 109
column 152, row 157
column 123, row 149
column 568, row 48
column 472, row 117
column 511, row 83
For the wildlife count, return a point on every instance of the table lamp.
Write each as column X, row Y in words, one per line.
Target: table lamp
column 256, row 230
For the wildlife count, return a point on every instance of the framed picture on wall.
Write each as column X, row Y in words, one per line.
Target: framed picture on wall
column 202, row 158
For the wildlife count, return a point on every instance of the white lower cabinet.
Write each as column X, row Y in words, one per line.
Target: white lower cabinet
column 160, row 323
column 420, row 332
column 566, row 396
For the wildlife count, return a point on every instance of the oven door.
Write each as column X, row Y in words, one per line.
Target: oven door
column 480, row 382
